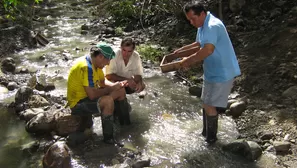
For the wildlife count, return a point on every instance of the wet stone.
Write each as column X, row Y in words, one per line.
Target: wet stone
column 249, row 149
column 290, row 92
column 287, row 137
column 85, row 27
column 38, row 101
column 42, row 57
column 282, row 147
column 23, row 94
column 24, row 70
column 195, row 90
column 237, row 108
column 231, row 101
column 12, row 85
column 267, row 136
column 8, row 64
column 142, row 94
column 142, row 163
column 28, row 114
column 58, row 155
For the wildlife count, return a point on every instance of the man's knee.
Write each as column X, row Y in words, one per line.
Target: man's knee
column 106, row 104
column 210, row 110
column 122, row 92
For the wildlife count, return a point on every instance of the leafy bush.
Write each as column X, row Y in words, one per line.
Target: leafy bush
column 21, row 8
column 144, row 12
column 150, row 52
column 119, row 31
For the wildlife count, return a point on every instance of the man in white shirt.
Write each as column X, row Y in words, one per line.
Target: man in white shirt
column 126, row 65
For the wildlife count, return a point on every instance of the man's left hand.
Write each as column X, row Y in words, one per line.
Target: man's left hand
column 184, row 64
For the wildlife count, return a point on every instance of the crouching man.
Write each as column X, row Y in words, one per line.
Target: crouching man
column 126, row 66
column 88, row 92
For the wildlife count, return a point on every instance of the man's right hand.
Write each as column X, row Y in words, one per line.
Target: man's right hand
column 116, row 86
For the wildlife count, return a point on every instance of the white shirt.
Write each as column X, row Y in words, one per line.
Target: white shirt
column 117, row 65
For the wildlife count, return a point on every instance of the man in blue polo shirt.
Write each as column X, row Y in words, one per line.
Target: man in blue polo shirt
column 220, row 64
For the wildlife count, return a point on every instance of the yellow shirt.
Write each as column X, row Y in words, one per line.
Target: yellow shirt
column 82, row 74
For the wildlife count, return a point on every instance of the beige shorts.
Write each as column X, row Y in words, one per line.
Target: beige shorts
column 216, row 94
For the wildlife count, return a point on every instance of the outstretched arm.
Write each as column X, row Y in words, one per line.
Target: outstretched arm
column 204, row 52
column 115, row 78
column 195, row 44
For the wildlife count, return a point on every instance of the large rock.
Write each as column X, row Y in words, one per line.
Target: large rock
column 41, row 123
column 66, row 124
column 231, row 101
column 281, row 147
column 28, row 114
column 12, row 85
column 237, row 108
column 266, row 136
column 57, row 156
column 142, row 163
column 8, row 65
column 23, row 95
column 44, row 83
column 249, row 149
column 36, row 101
column 268, row 160
column 253, row 150
column 290, row 92
column 195, row 91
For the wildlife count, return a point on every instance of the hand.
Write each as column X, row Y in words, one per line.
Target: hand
column 131, row 83
column 124, row 83
column 117, row 86
column 139, row 87
column 184, row 64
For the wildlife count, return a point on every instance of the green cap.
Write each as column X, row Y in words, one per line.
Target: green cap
column 106, row 50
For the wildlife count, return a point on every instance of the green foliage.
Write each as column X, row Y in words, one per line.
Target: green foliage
column 144, row 11
column 19, row 7
column 150, row 52
column 119, row 31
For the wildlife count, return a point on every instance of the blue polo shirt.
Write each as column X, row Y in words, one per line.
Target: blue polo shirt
column 222, row 64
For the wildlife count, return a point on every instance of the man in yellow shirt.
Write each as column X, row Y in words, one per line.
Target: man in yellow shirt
column 89, row 93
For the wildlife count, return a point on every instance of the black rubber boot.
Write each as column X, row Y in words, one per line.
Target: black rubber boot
column 221, row 110
column 118, row 112
column 86, row 122
column 204, row 123
column 125, row 111
column 107, row 129
column 211, row 128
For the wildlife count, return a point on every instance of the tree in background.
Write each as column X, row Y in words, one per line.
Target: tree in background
column 23, row 9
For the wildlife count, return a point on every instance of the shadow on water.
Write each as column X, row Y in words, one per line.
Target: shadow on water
column 13, row 137
column 166, row 124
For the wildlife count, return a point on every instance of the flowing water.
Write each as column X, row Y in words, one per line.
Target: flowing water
column 166, row 123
